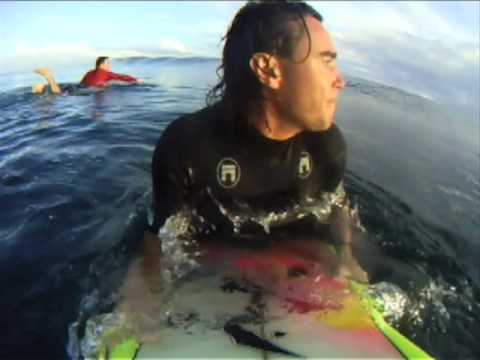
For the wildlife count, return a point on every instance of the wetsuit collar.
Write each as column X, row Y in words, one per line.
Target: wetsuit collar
column 253, row 133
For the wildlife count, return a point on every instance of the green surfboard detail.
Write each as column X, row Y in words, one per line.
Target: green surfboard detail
column 126, row 350
column 406, row 347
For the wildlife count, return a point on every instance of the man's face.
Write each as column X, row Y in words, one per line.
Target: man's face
column 106, row 65
column 309, row 90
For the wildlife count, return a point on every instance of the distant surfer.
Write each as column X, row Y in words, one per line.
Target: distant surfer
column 265, row 154
column 101, row 76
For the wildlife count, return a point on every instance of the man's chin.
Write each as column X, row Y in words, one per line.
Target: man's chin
column 323, row 126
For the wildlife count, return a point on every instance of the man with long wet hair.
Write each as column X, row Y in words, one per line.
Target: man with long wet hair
column 265, row 155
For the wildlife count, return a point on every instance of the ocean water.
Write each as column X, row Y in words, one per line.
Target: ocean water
column 75, row 189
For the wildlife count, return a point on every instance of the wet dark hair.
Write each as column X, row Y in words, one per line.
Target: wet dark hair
column 100, row 61
column 259, row 26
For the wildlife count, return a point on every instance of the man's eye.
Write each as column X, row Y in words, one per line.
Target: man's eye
column 330, row 61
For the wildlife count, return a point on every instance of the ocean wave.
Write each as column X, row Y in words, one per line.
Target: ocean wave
column 455, row 193
column 166, row 59
column 385, row 92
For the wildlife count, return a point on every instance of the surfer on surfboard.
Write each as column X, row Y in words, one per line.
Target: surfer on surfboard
column 101, row 76
column 265, row 152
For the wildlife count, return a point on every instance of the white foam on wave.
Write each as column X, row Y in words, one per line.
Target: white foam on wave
column 455, row 193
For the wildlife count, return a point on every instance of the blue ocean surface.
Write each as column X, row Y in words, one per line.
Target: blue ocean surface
column 75, row 188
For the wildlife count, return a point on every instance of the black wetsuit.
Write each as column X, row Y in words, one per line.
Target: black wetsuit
column 66, row 89
column 236, row 179
column 71, row 88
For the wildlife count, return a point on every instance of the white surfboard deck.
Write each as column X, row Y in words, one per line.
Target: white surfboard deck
column 201, row 310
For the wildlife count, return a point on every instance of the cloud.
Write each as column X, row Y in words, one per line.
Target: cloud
column 27, row 55
column 434, row 69
column 416, row 46
column 71, row 51
column 172, row 46
column 227, row 8
column 426, row 19
column 24, row 49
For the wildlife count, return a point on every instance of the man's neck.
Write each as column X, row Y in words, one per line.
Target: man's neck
column 271, row 124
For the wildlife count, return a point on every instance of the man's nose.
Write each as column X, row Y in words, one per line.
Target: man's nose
column 339, row 81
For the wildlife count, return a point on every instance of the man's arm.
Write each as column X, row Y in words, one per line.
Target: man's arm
column 168, row 191
column 151, row 265
column 119, row 77
column 341, row 231
column 333, row 148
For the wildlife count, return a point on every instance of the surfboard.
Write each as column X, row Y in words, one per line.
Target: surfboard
column 272, row 303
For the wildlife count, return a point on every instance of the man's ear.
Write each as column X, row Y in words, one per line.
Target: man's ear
column 267, row 69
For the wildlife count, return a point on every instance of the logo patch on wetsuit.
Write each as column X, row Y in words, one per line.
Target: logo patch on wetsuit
column 228, row 173
column 305, row 165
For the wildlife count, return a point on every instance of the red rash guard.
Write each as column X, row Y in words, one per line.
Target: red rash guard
column 100, row 77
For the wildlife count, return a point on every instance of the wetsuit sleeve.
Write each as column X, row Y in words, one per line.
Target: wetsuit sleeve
column 336, row 159
column 119, row 77
column 337, row 164
column 168, row 177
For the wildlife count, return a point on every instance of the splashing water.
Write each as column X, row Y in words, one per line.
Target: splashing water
column 180, row 258
column 390, row 300
column 430, row 310
column 320, row 208
column 110, row 328
column 179, row 255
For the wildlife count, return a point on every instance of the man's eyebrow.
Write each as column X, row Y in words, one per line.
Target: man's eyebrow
column 327, row 53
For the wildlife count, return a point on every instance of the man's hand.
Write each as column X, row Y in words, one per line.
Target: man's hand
column 348, row 266
column 139, row 302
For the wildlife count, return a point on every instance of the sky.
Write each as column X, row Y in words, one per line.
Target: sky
column 428, row 48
